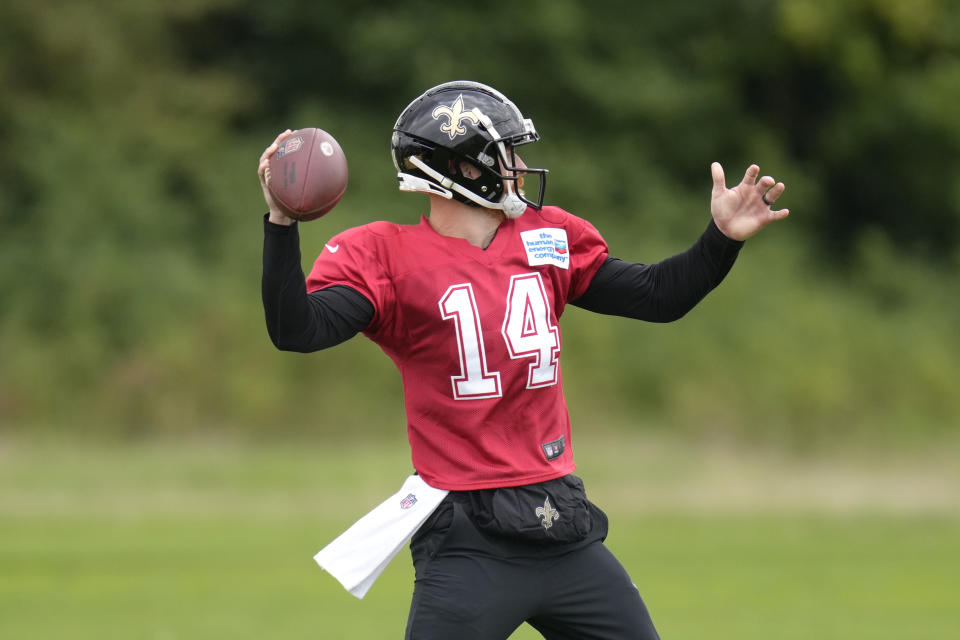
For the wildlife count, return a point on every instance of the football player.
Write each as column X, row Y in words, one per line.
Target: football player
column 467, row 304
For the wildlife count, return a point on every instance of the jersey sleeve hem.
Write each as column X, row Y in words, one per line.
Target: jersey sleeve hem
column 582, row 283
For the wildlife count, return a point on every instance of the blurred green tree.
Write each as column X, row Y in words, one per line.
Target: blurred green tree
column 129, row 250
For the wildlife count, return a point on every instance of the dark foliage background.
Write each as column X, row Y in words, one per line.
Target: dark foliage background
column 130, row 211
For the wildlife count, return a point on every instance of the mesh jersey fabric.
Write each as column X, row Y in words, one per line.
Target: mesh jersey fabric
column 475, row 335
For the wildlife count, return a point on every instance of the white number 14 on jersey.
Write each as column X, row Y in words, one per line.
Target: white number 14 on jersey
column 527, row 333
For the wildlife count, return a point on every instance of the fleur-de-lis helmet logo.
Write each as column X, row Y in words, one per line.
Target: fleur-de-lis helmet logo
column 456, row 116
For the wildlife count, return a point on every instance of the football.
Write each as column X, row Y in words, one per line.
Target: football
column 308, row 174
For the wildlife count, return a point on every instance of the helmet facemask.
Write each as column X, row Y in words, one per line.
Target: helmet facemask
column 523, row 180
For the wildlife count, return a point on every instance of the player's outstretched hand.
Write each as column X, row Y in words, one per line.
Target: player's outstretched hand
column 263, row 171
column 742, row 211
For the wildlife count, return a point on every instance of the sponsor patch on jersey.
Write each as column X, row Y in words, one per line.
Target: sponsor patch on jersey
column 546, row 246
column 553, row 449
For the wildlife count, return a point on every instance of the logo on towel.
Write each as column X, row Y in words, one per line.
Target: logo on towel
column 546, row 246
column 548, row 513
column 408, row 502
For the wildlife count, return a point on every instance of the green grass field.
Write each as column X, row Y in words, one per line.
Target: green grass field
column 176, row 541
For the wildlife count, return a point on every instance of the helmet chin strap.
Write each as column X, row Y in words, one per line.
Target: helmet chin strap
column 511, row 204
column 410, row 182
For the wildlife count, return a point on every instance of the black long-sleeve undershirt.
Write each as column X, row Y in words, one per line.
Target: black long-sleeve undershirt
column 664, row 291
column 297, row 321
column 660, row 292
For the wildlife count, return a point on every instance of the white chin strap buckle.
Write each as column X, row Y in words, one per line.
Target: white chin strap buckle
column 513, row 206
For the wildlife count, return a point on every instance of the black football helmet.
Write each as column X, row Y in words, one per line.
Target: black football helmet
column 459, row 122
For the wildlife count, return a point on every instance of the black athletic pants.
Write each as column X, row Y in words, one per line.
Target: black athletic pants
column 471, row 585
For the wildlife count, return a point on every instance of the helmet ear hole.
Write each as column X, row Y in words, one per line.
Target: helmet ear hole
column 468, row 170
column 480, row 180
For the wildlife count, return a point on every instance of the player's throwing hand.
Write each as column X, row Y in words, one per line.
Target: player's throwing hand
column 744, row 210
column 263, row 172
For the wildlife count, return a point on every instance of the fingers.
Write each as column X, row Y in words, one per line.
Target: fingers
column 779, row 214
column 771, row 196
column 269, row 151
column 775, row 191
column 750, row 177
column 768, row 188
column 263, row 169
column 719, row 182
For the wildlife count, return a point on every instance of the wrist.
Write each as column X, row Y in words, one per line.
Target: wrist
column 278, row 218
column 717, row 231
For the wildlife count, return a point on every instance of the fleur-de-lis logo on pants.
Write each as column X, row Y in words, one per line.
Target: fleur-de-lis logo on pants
column 456, row 115
column 548, row 513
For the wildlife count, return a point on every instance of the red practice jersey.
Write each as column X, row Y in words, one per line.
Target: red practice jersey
column 475, row 334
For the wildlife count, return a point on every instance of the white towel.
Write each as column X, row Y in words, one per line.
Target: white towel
column 361, row 553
